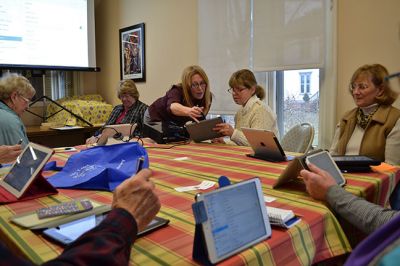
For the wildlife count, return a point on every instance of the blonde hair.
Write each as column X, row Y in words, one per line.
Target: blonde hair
column 186, row 84
column 245, row 78
column 128, row 87
column 13, row 82
column 377, row 73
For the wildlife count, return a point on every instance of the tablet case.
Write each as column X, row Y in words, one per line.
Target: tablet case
column 31, row 221
column 355, row 163
column 200, row 253
column 203, row 130
column 293, row 169
column 38, row 188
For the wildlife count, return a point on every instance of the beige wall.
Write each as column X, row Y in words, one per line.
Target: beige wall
column 368, row 32
column 171, row 43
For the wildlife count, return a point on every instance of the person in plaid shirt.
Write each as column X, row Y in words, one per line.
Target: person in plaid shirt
column 131, row 110
column 134, row 204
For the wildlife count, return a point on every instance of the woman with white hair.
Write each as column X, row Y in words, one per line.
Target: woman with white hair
column 16, row 93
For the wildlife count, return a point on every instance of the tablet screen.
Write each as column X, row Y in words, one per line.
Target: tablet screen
column 236, row 219
column 27, row 164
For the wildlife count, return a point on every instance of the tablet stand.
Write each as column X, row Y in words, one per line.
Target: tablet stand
column 38, row 188
column 200, row 253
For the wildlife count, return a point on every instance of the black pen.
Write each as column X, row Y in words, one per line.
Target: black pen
column 202, row 114
column 392, row 76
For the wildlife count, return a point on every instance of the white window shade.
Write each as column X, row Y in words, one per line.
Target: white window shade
column 289, row 34
column 224, row 46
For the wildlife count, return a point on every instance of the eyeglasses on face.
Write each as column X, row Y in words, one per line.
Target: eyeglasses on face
column 195, row 85
column 236, row 90
column 125, row 96
column 360, row 86
column 28, row 101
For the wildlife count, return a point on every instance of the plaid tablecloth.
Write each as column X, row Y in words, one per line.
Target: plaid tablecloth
column 317, row 237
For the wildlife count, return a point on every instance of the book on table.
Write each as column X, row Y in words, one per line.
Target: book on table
column 281, row 217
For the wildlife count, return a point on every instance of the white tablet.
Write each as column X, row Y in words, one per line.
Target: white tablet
column 118, row 131
column 25, row 169
column 324, row 161
column 236, row 218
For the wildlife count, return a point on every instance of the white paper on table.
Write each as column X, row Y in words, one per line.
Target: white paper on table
column 202, row 186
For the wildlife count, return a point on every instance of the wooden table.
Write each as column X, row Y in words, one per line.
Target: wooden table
column 59, row 138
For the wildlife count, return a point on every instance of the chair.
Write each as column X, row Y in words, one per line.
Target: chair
column 299, row 138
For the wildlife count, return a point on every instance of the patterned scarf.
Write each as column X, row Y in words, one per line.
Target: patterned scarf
column 364, row 119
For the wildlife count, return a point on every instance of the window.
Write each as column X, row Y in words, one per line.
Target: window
column 296, row 102
column 305, row 82
column 54, row 84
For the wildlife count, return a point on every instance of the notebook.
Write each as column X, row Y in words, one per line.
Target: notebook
column 281, row 217
column 265, row 145
column 204, row 129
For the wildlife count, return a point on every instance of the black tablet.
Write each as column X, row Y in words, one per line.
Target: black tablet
column 69, row 232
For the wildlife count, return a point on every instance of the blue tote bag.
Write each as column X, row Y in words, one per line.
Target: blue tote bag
column 100, row 167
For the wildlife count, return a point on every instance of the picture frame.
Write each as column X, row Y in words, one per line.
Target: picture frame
column 132, row 53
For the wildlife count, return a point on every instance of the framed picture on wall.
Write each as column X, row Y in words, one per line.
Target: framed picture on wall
column 132, row 53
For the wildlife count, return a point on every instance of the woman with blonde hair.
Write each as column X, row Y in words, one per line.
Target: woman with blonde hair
column 372, row 128
column 253, row 112
column 16, row 93
column 189, row 100
column 131, row 111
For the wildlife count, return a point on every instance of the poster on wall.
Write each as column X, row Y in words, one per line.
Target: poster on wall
column 132, row 53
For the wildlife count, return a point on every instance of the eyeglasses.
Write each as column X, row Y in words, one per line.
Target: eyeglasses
column 360, row 86
column 236, row 90
column 202, row 84
column 28, row 101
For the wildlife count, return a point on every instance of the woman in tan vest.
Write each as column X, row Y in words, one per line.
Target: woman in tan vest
column 372, row 128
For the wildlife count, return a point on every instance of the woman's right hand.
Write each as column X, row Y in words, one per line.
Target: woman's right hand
column 92, row 140
column 195, row 112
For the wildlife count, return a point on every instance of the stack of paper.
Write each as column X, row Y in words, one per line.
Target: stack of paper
column 281, row 217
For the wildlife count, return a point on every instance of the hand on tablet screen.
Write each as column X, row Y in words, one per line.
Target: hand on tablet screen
column 317, row 181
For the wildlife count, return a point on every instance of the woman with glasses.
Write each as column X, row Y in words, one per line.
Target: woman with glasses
column 189, row 100
column 253, row 112
column 131, row 111
column 15, row 94
column 372, row 128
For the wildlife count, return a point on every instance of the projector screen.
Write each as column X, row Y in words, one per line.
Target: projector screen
column 47, row 34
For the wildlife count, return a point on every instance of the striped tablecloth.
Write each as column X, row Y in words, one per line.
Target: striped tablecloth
column 317, row 237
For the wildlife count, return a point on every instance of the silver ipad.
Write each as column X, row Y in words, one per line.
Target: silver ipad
column 25, row 168
column 236, row 219
column 265, row 145
column 324, row 161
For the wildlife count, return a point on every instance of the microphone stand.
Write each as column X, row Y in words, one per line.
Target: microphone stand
column 44, row 117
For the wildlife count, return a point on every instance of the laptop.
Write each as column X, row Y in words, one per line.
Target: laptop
column 117, row 132
column 204, row 129
column 25, row 169
column 265, row 145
